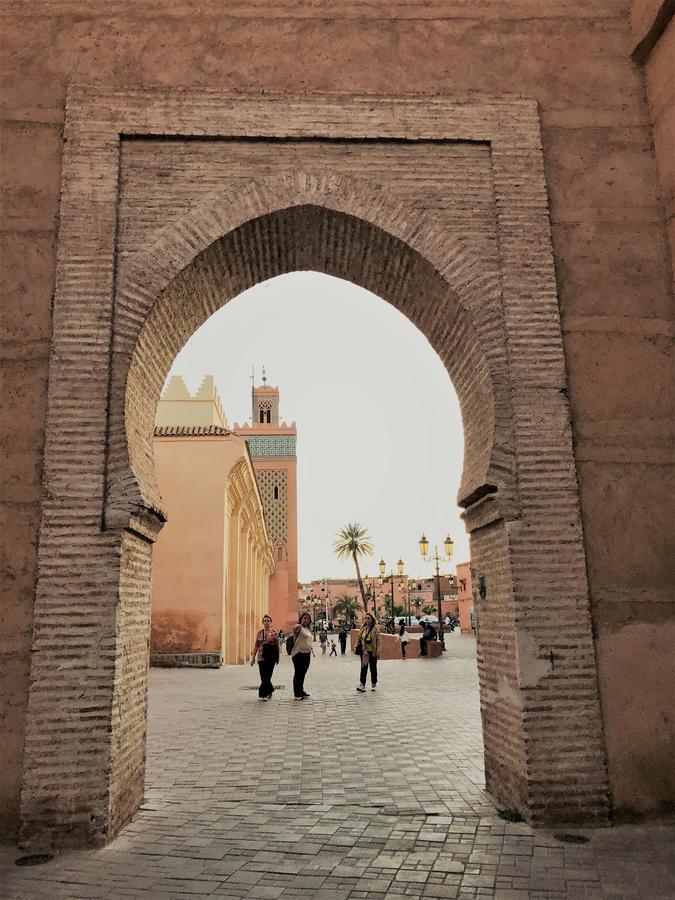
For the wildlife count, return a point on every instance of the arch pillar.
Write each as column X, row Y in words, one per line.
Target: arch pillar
column 116, row 332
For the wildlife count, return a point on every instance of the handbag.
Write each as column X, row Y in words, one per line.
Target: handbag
column 358, row 650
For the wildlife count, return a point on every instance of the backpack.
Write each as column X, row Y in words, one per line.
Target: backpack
column 290, row 641
column 433, row 636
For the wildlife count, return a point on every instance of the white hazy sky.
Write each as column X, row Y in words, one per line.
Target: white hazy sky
column 379, row 429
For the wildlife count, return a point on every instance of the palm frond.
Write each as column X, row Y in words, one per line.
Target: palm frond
column 353, row 540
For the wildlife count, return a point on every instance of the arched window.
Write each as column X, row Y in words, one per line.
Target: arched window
column 276, row 491
column 268, row 417
column 280, row 553
column 262, row 416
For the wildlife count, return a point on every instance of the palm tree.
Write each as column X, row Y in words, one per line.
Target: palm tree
column 347, row 606
column 354, row 541
column 429, row 610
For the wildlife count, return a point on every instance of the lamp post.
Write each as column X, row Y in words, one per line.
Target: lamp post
column 370, row 594
column 316, row 604
column 405, row 597
column 424, row 550
column 383, row 568
column 326, row 593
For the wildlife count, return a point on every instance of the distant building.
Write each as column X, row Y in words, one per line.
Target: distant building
column 179, row 407
column 213, row 559
column 321, row 594
column 272, row 445
column 465, row 598
column 422, row 592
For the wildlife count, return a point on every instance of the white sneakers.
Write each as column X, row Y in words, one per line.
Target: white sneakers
column 361, row 688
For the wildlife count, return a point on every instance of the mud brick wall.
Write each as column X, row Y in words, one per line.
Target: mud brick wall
column 608, row 201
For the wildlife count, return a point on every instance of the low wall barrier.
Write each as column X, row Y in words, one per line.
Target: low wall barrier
column 390, row 648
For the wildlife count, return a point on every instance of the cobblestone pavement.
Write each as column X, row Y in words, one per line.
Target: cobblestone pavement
column 345, row 795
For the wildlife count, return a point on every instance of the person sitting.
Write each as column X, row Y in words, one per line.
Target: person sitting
column 429, row 634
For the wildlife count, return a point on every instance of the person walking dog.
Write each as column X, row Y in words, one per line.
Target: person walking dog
column 368, row 647
column 266, row 654
column 301, row 655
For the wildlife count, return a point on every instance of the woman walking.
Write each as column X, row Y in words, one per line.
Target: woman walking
column 402, row 637
column 266, row 654
column 301, row 655
column 368, row 646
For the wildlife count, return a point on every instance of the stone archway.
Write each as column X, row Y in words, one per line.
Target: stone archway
column 500, row 340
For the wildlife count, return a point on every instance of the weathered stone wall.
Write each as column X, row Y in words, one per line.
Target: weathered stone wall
column 609, row 235
column 499, row 337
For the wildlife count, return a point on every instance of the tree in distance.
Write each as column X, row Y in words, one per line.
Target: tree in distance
column 347, row 606
column 429, row 610
column 353, row 540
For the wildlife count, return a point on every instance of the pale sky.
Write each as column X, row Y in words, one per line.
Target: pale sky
column 379, row 429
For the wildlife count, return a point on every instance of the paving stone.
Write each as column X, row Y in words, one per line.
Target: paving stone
column 229, row 815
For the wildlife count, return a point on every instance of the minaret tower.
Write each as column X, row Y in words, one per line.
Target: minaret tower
column 272, row 444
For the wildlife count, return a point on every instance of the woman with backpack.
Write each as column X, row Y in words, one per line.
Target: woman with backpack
column 368, row 647
column 266, row 654
column 301, row 654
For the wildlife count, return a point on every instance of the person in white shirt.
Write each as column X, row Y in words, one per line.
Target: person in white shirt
column 301, row 655
column 402, row 637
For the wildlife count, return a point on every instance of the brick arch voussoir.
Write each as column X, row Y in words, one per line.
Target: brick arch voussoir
column 157, row 290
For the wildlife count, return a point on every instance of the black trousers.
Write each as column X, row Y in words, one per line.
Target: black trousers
column 423, row 647
column 300, row 666
column 404, row 644
column 343, row 644
column 266, row 670
column 372, row 664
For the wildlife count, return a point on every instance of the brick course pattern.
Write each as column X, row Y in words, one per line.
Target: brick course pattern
column 487, row 303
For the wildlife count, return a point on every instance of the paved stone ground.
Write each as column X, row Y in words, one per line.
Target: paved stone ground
column 345, row 795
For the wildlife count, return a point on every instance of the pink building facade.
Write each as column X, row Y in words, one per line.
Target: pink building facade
column 465, row 598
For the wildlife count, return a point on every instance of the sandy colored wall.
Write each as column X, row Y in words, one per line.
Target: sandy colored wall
column 191, row 412
column 610, row 241
column 188, row 558
column 464, row 597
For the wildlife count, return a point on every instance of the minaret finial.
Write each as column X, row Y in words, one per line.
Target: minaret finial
column 264, row 376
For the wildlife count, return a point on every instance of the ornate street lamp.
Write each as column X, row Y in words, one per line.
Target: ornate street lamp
column 448, row 546
column 383, row 568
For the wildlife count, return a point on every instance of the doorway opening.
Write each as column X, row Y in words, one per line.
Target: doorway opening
column 518, row 486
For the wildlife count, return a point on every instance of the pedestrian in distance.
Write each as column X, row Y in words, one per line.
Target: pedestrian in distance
column 333, row 649
column 402, row 637
column 323, row 640
column 342, row 637
column 266, row 654
column 301, row 655
column 368, row 648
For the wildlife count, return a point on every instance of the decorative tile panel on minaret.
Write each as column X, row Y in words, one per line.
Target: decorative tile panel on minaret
column 272, row 445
